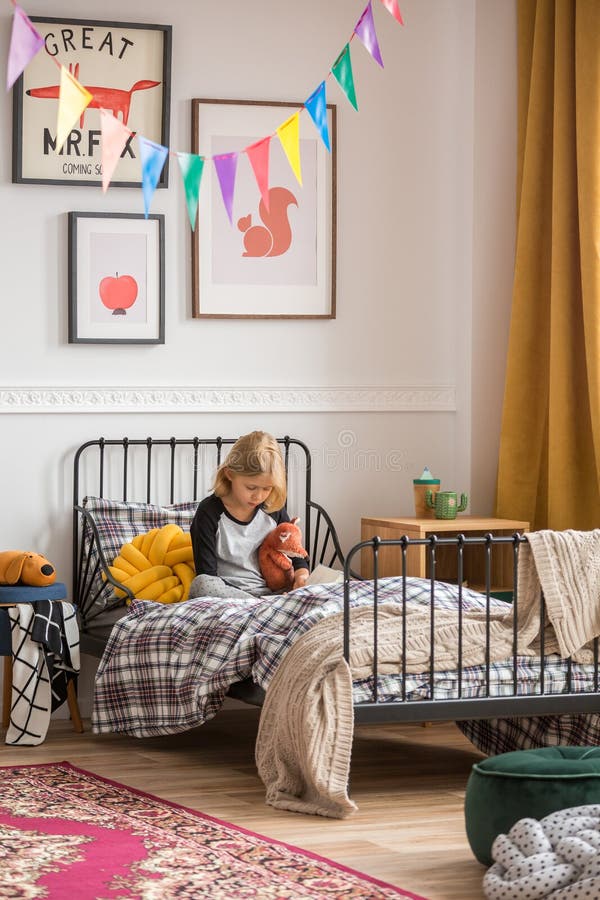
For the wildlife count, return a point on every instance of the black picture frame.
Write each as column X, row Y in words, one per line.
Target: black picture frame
column 103, row 243
column 113, row 57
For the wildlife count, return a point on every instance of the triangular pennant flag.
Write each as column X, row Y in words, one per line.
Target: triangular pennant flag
column 72, row 100
column 392, row 7
column 191, row 170
column 342, row 71
column 153, row 158
column 226, row 166
column 317, row 107
column 114, row 138
column 25, row 42
column 365, row 30
column 258, row 154
column 289, row 137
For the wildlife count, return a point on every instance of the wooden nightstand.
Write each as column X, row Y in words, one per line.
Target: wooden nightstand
column 417, row 562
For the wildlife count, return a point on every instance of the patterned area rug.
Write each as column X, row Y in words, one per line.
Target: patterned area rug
column 66, row 833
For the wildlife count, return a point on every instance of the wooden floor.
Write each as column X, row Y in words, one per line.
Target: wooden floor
column 408, row 782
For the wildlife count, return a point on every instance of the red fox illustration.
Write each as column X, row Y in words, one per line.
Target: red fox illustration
column 112, row 99
column 274, row 236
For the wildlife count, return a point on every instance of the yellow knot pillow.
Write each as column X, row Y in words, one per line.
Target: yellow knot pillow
column 157, row 565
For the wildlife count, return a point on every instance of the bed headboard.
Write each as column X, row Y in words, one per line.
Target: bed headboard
column 173, row 470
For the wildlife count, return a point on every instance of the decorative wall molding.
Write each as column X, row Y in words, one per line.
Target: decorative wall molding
column 431, row 398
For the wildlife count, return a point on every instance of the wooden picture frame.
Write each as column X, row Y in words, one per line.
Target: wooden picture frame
column 232, row 275
column 127, row 65
column 116, row 278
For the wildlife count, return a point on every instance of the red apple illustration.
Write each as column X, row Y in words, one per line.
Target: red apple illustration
column 118, row 293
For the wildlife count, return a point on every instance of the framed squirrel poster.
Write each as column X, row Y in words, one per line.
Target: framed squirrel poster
column 125, row 66
column 264, row 244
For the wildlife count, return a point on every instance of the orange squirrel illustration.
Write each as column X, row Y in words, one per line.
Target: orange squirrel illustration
column 274, row 236
column 275, row 555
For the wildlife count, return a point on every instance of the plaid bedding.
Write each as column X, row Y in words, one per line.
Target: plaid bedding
column 493, row 736
column 167, row 669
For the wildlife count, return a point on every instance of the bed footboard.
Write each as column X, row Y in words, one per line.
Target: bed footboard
column 517, row 685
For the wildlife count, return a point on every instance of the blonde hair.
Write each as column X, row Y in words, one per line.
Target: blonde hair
column 256, row 453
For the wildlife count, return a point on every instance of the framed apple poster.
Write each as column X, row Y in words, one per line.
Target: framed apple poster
column 116, row 278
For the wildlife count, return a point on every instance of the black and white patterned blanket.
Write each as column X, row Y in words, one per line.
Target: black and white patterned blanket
column 45, row 651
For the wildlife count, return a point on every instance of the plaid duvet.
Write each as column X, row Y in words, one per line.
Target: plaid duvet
column 493, row 736
column 168, row 668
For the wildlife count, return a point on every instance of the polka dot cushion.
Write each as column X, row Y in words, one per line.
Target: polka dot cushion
column 555, row 858
column 527, row 784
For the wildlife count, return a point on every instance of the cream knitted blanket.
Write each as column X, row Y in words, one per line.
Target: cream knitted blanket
column 305, row 733
column 566, row 566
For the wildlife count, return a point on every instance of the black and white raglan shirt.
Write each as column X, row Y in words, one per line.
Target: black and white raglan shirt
column 226, row 547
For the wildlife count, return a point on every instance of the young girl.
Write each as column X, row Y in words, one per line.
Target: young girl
column 231, row 524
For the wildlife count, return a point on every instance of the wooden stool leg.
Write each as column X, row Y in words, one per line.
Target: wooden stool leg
column 6, row 691
column 74, row 707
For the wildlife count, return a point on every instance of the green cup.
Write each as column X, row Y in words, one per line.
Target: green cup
column 445, row 503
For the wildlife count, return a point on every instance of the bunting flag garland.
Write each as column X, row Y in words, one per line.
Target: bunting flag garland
column 365, row 31
column 153, row 159
column 226, row 166
column 289, row 138
column 191, row 167
column 393, row 8
column 73, row 98
column 258, row 154
column 317, row 108
column 114, row 138
column 25, row 43
column 342, row 72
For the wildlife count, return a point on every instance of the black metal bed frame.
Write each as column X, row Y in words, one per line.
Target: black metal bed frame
column 322, row 542
column 462, row 708
column 320, row 537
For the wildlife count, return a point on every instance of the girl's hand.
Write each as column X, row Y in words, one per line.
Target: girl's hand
column 300, row 578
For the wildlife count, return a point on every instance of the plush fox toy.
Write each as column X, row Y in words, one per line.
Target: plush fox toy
column 275, row 555
column 18, row 566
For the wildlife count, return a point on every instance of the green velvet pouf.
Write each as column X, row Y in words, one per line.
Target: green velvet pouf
column 526, row 784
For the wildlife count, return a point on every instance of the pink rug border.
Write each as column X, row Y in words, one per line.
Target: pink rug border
column 200, row 815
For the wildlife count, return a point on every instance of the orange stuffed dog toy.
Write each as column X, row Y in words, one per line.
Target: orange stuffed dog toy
column 275, row 555
column 18, row 566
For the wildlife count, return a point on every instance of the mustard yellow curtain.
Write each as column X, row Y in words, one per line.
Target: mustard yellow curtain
column 549, row 463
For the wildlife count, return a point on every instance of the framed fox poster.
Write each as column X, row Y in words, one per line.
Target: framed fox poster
column 127, row 69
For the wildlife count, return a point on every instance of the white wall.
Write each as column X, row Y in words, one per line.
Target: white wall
column 494, row 218
column 424, row 253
